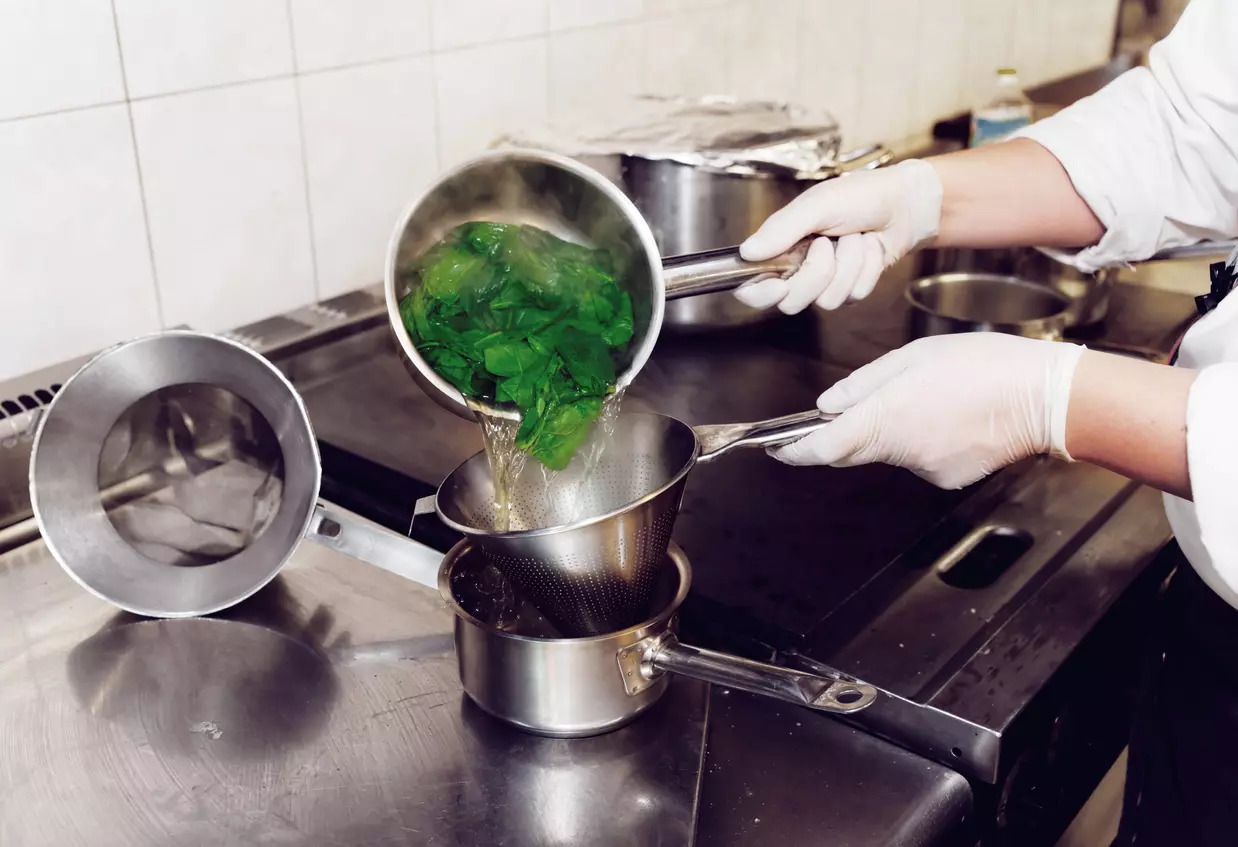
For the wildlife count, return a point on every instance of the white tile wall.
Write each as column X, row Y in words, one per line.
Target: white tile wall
column 832, row 49
column 565, row 14
column 483, row 91
column 278, row 140
column 368, row 151
column 684, row 53
column 329, row 33
column 460, row 24
column 74, row 263
column 761, row 41
column 182, row 46
column 225, row 197
column 57, row 56
column 584, row 78
column 891, row 49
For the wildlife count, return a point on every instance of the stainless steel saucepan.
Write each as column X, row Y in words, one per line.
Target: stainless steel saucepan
column 574, row 202
column 588, row 544
column 983, row 302
column 514, row 666
column 175, row 474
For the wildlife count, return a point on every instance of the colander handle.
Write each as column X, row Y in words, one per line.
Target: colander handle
column 820, row 691
column 716, row 439
column 723, row 270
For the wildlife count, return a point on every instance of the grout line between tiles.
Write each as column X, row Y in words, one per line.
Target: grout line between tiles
column 216, row 86
column 65, row 111
column 345, row 66
column 137, row 164
column 549, row 91
column 438, row 120
column 430, row 53
column 305, row 180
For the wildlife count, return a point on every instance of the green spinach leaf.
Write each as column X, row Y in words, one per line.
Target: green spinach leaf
column 513, row 314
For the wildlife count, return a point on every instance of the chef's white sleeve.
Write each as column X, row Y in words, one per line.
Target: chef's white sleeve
column 1155, row 152
column 1207, row 529
column 1208, row 532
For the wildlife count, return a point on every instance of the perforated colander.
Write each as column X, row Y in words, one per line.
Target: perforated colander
column 586, row 544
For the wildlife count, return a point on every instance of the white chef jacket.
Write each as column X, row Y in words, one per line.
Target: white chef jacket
column 1155, row 155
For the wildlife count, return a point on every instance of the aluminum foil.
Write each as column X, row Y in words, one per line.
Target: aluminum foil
column 718, row 133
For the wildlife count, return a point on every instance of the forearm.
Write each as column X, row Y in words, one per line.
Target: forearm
column 1008, row 195
column 1130, row 416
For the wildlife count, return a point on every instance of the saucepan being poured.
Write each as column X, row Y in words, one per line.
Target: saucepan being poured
column 561, row 198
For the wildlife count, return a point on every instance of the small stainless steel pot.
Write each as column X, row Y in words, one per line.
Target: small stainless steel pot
column 1088, row 293
column 573, row 687
column 982, row 302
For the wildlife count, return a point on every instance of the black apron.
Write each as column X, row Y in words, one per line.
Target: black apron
column 1182, row 772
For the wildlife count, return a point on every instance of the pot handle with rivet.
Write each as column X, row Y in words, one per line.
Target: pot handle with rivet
column 368, row 542
column 819, row 691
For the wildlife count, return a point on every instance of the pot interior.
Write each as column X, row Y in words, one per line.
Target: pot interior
column 986, row 298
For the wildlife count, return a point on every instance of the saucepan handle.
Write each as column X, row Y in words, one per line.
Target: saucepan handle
column 716, row 439
column 356, row 537
column 722, row 270
column 821, row 691
column 865, row 158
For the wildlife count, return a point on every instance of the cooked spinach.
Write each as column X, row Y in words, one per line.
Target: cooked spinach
column 513, row 314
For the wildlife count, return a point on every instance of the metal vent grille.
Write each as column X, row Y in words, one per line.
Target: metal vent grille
column 23, row 403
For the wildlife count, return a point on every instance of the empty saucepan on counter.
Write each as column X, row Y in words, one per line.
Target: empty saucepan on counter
column 576, row 203
column 1088, row 293
column 588, row 544
column 516, row 667
column 985, row 302
column 174, row 475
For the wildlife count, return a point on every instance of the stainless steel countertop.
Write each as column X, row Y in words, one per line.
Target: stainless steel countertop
column 327, row 710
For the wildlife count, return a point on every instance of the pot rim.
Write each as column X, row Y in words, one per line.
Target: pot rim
column 484, row 535
column 437, row 386
column 1057, row 320
column 655, row 623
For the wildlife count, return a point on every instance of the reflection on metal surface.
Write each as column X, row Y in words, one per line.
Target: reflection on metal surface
column 215, row 474
column 325, row 709
column 255, row 691
column 805, row 786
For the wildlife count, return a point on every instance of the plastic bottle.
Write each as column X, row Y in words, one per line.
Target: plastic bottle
column 1006, row 110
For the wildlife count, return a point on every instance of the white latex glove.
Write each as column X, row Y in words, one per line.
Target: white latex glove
column 950, row 408
column 878, row 216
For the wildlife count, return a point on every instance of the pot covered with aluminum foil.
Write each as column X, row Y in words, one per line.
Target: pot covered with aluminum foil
column 706, row 172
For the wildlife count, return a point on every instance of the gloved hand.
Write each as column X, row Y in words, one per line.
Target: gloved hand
column 878, row 216
column 950, row 408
